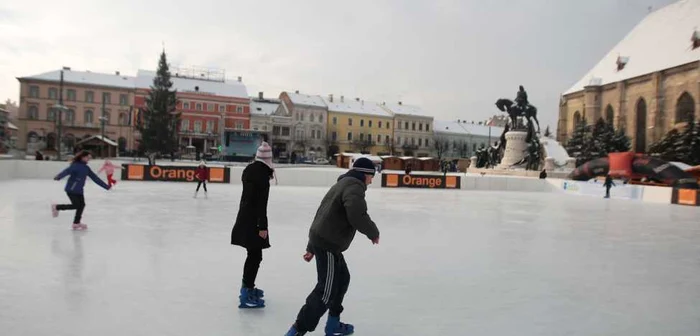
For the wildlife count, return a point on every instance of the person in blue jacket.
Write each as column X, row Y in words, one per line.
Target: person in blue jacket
column 78, row 173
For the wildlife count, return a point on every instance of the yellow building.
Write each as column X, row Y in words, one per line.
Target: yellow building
column 359, row 126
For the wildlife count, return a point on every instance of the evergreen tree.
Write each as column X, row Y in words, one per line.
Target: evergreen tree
column 665, row 148
column 159, row 125
column 620, row 142
column 578, row 145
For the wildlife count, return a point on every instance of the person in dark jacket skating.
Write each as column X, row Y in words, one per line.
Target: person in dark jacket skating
column 608, row 184
column 202, row 176
column 250, row 230
column 342, row 212
column 78, row 171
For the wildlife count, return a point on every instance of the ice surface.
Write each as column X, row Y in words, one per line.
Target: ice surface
column 157, row 262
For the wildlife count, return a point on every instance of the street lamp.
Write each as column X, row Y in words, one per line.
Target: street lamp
column 60, row 108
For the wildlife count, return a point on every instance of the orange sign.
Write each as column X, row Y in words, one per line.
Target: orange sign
column 173, row 173
column 420, row 181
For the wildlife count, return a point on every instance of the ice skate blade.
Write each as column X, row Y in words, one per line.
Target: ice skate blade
column 245, row 306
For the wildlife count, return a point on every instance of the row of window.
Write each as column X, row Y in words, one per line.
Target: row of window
column 299, row 116
column 380, row 124
column 71, row 95
column 413, row 142
column 412, row 125
column 185, row 126
column 69, row 116
column 211, row 107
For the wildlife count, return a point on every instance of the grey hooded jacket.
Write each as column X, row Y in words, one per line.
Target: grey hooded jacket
column 342, row 212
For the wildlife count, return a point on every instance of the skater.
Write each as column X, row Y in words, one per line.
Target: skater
column 202, row 175
column 108, row 167
column 408, row 169
column 78, row 172
column 543, row 174
column 342, row 212
column 250, row 230
column 608, row 184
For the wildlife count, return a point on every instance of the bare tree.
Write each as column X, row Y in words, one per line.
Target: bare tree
column 362, row 145
column 391, row 146
column 441, row 145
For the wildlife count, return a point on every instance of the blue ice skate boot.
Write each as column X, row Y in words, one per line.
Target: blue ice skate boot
column 249, row 300
column 258, row 292
column 336, row 328
column 293, row 332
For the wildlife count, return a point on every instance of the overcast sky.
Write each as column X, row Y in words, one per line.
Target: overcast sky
column 454, row 57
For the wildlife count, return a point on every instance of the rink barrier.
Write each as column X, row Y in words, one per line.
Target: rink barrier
column 686, row 197
column 324, row 177
column 620, row 191
column 420, row 181
column 137, row 172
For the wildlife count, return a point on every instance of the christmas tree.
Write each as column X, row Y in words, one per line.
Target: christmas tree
column 159, row 125
column 578, row 145
column 680, row 144
column 665, row 148
column 620, row 142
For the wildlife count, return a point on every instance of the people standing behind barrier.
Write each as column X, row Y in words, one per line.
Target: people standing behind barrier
column 608, row 184
column 408, row 169
column 250, row 230
column 202, row 176
column 78, row 173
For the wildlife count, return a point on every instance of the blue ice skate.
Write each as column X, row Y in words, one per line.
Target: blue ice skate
column 293, row 332
column 336, row 328
column 258, row 292
column 250, row 300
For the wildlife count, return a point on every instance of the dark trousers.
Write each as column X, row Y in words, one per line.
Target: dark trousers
column 202, row 182
column 251, row 267
column 607, row 192
column 77, row 203
column 331, row 286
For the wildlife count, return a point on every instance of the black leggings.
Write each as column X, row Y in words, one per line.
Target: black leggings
column 202, row 182
column 77, row 203
column 251, row 266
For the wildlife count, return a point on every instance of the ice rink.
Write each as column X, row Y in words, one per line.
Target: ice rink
column 157, row 262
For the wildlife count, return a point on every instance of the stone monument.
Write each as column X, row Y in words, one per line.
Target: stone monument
column 520, row 138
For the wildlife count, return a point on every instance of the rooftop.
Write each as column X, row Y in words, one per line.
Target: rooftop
column 464, row 128
column 662, row 40
column 308, row 100
column 356, row 107
column 263, row 108
column 411, row 110
column 144, row 79
column 86, row 78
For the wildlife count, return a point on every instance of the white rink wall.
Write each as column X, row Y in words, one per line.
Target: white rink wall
column 326, row 176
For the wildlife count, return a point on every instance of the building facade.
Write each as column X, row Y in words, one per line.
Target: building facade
column 647, row 84
column 413, row 130
column 208, row 106
column 359, row 126
column 261, row 111
column 91, row 100
column 461, row 139
column 308, row 131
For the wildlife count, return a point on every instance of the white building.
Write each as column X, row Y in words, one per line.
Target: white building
column 261, row 112
column 308, row 115
column 413, row 129
column 461, row 138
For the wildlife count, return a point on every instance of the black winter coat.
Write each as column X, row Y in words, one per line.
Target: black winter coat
column 252, row 212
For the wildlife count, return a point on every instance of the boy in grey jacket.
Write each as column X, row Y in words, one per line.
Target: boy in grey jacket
column 342, row 212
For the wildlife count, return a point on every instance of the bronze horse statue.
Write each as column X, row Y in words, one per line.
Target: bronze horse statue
column 515, row 111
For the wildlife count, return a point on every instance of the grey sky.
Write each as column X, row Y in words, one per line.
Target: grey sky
column 452, row 57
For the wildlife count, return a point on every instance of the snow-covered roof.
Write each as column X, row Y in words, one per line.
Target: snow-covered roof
column 263, row 108
column 308, row 100
column 144, row 80
column 407, row 110
column 462, row 128
column 99, row 137
column 11, row 126
column 356, row 107
column 87, row 78
column 660, row 41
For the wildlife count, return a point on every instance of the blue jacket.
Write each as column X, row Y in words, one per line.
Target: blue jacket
column 79, row 171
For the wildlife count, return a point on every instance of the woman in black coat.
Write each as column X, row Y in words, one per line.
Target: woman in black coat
column 250, row 230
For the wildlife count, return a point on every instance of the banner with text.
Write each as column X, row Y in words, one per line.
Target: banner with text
column 421, row 181
column 132, row 172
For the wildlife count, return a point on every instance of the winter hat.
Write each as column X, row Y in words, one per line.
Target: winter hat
column 364, row 165
column 264, row 154
column 202, row 163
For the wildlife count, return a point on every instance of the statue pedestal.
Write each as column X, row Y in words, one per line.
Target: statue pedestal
column 516, row 149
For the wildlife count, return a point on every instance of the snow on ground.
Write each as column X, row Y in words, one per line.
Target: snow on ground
column 157, row 262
